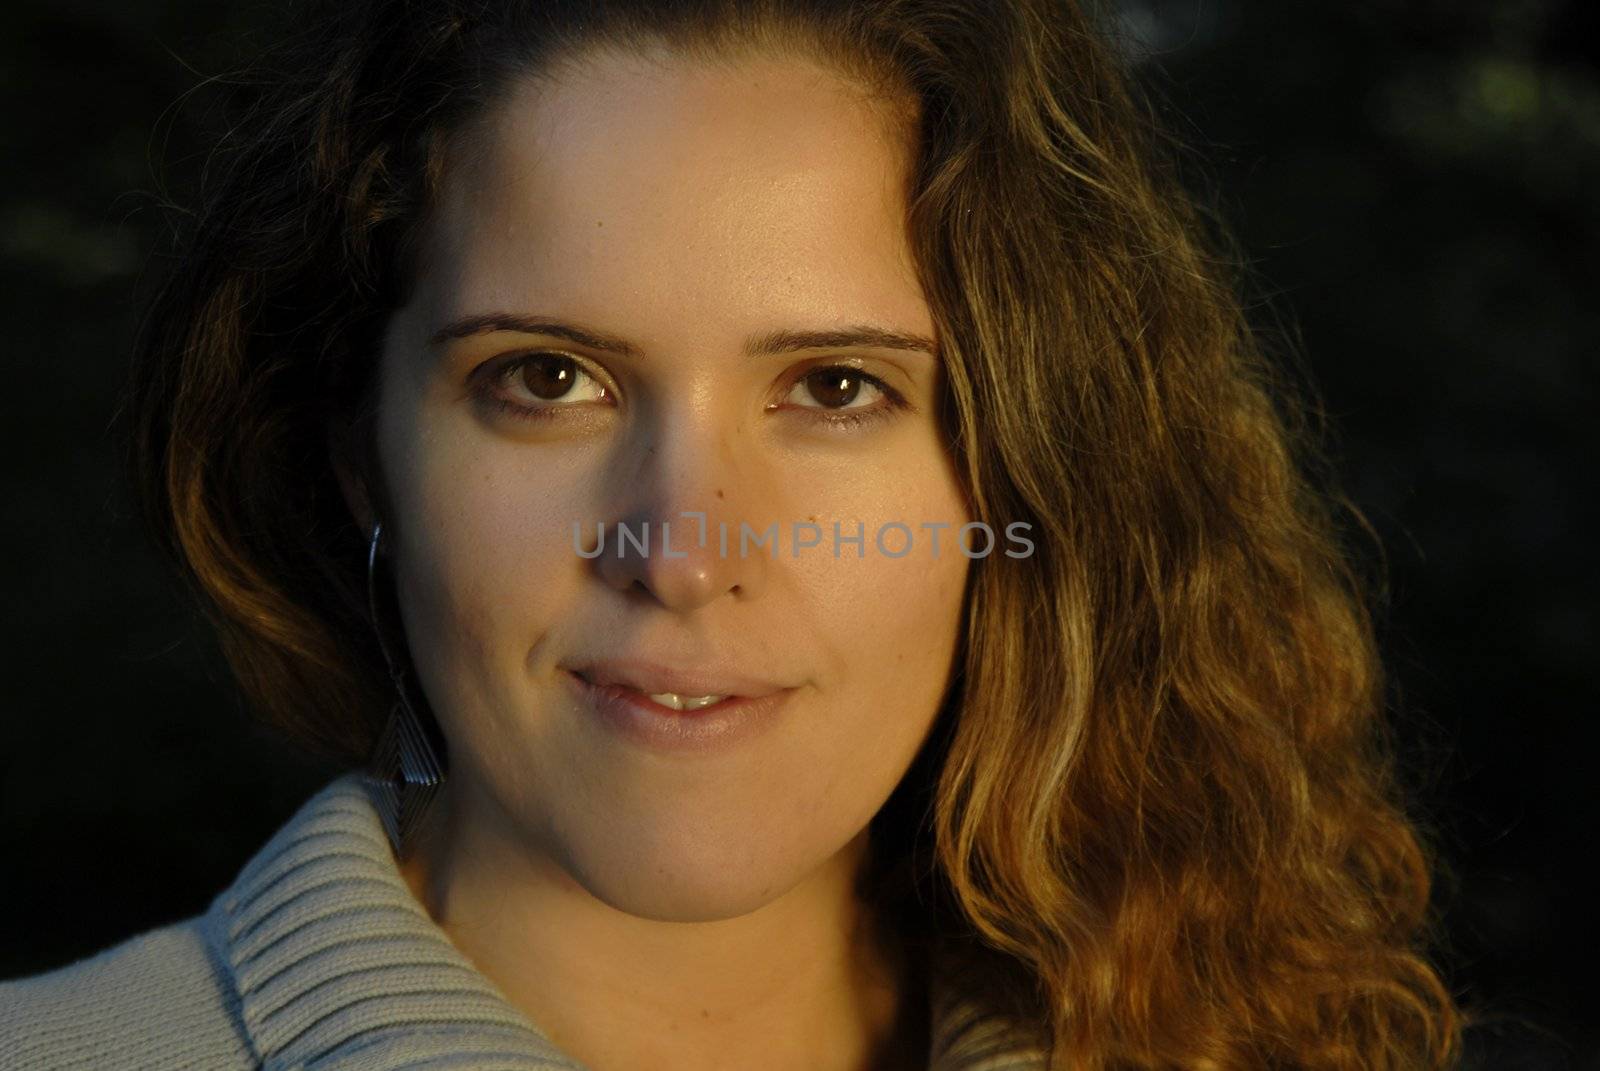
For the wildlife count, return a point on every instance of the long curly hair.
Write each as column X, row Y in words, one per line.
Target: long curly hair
column 1159, row 818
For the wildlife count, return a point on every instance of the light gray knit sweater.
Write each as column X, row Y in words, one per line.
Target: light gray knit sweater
column 319, row 956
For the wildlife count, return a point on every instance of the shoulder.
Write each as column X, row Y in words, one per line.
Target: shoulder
column 154, row 1000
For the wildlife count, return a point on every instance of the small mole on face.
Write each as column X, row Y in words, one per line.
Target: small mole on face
column 719, row 492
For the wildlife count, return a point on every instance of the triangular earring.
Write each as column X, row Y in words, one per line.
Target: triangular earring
column 403, row 775
column 403, row 771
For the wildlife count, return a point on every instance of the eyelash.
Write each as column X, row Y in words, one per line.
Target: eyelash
column 848, row 419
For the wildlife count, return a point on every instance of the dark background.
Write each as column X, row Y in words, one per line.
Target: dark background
column 1417, row 186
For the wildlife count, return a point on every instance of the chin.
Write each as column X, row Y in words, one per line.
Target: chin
column 685, row 886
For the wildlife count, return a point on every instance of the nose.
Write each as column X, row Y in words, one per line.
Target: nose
column 677, row 539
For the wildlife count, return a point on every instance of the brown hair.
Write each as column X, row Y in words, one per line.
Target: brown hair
column 1158, row 817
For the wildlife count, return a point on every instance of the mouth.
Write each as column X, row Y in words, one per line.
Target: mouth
column 679, row 723
column 673, row 690
column 669, row 701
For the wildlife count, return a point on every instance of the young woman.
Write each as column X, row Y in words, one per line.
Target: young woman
column 783, row 516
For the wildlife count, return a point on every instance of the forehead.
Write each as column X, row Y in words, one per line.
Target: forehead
column 667, row 187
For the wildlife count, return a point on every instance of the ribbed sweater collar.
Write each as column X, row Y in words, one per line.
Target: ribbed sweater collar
column 338, row 966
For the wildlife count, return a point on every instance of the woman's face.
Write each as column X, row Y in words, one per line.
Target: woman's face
column 691, row 213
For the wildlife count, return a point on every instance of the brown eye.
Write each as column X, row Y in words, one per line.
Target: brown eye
column 549, row 376
column 838, row 387
column 541, row 385
column 835, row 387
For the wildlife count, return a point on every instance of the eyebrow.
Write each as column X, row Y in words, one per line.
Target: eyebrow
column 773, row 342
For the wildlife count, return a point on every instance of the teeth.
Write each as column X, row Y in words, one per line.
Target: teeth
column 685, row 702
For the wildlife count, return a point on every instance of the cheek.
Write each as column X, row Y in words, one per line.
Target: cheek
column 894, row 619
column 489, row 563
column 891, row 626
column 899, row 618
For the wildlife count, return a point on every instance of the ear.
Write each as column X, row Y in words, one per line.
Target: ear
column 347, row 469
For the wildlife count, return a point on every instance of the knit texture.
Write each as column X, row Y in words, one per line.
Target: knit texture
column 319, row 957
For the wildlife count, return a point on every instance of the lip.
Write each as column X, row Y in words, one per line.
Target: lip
column 709, row 730
column 653, row 678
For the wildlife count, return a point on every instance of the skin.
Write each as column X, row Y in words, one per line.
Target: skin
column 651, row 910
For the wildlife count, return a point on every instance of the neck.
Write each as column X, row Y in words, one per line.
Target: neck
column 808, row 980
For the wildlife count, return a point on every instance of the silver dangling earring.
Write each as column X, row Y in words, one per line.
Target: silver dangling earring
column 403, row 772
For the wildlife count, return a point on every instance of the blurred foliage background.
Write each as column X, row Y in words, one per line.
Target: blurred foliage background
column 1417, row 186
